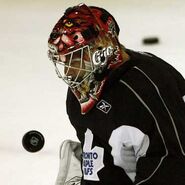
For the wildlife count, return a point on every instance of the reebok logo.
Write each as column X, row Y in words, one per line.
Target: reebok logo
column 104, row 106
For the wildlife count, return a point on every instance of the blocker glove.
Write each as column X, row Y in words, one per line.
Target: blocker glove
column 70, row 163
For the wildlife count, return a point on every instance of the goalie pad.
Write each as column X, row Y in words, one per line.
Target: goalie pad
column 70, row 164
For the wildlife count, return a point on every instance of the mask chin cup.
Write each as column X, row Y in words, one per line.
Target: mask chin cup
column 100, row 75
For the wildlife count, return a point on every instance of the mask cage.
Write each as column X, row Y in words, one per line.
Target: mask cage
column 83, row 71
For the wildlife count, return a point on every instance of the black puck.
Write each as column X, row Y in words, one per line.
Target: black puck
column 33, row 141
column 150, row 40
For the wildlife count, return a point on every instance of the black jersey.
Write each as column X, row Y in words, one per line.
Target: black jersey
column 135, row 134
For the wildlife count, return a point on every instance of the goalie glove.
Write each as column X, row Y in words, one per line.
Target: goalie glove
column 70, row 164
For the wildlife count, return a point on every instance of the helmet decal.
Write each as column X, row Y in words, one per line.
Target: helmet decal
column 100, row 57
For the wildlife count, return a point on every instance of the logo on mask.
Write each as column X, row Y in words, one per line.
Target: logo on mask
column 100, row 57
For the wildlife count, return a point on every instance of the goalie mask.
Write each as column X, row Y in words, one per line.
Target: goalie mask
column 84, row 48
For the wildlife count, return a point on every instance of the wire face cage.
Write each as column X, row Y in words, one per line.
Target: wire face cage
column 73, row 67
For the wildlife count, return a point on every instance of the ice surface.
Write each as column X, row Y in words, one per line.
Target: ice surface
column 32, row 97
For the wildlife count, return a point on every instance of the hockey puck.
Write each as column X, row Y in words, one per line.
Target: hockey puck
column 150, row 40
column 33, row 141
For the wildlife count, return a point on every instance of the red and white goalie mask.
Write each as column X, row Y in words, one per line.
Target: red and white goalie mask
column 84, row 46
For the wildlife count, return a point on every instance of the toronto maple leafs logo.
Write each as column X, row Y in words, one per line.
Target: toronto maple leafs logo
column 92, row 158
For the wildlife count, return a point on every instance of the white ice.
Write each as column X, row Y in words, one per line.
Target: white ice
column 33, row 98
